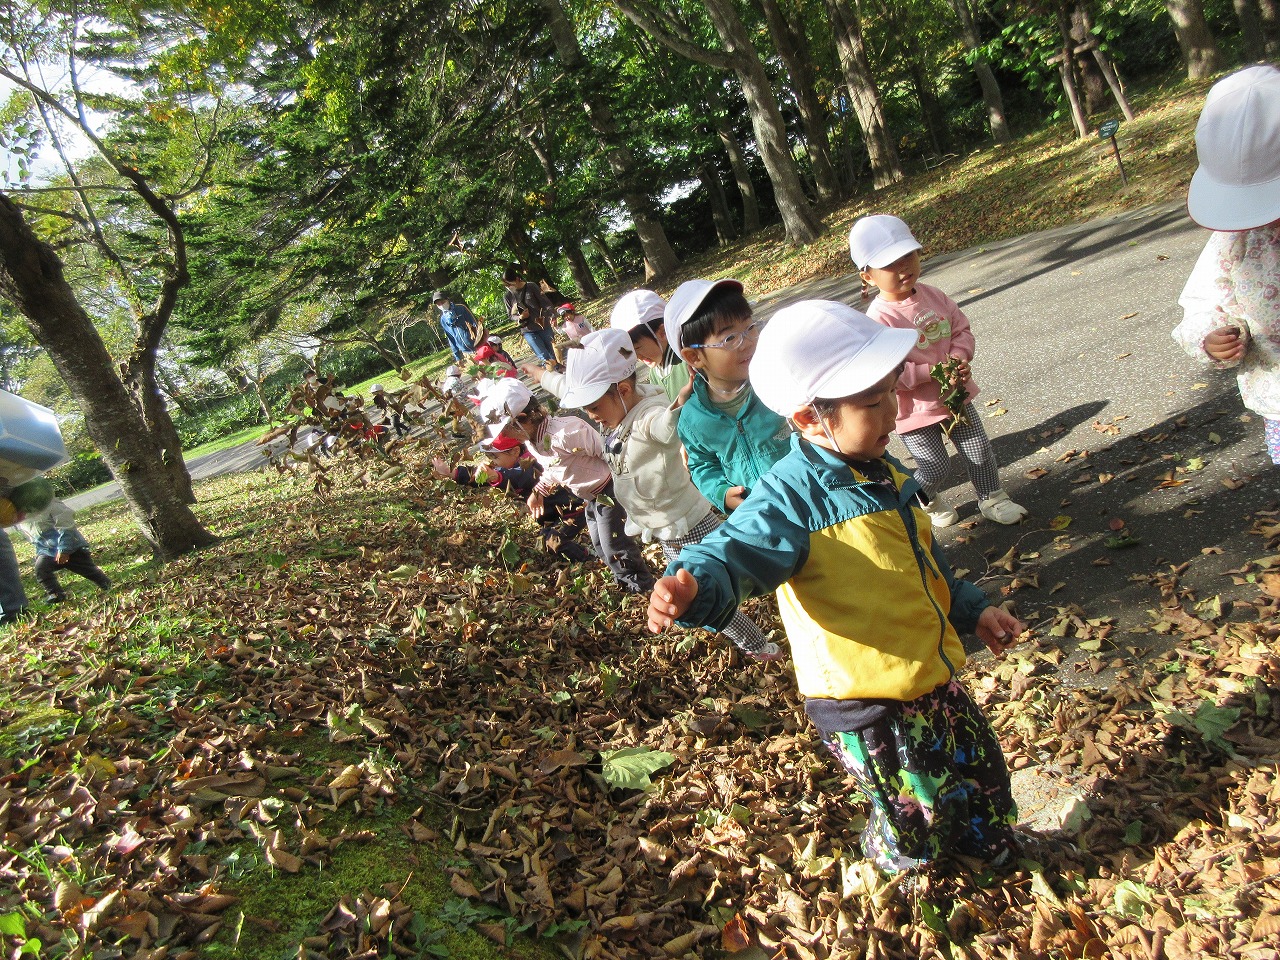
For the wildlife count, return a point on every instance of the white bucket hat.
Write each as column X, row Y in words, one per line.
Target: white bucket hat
column 605, row 358
column 880, row 240
column 501, row 400
column 686, row 302
column 636, row 308
column 1237, row 186
column 821, row 349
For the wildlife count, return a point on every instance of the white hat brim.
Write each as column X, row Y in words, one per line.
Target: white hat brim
column 1229, row 207
column 894, row 252
column 582, row 394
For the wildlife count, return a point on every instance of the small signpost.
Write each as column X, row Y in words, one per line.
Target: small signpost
column 1108, row 132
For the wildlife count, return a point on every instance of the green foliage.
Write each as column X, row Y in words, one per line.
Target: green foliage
column 631, row 767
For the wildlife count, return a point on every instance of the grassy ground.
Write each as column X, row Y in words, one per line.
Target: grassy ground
column 371, row 721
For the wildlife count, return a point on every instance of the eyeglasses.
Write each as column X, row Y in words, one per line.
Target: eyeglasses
column 734, row 341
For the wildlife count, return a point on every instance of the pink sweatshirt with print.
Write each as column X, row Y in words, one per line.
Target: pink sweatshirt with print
column 942, row 330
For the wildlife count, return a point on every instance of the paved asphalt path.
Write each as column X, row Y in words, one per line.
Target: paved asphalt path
column 1073, row 345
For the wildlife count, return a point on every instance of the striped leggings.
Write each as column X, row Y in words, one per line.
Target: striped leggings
column 741, row 629
column 933, row 462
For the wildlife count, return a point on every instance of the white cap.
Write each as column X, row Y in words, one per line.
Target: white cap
column 880, row 240
column 636, row 308
column 452, row 370
column 376, row 388
column 605, row 358
column 1237, row 186
column 686, row 302
column 821, row 349
column 501, row 400
column 495, row 340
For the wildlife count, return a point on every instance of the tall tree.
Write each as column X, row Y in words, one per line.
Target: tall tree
column 793, row 49
column 31, row 277
column 738, row 55
column 588, row 81
column 991, row 95
column 1199, row 49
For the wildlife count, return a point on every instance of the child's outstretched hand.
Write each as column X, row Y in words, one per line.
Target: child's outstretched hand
column 670, row 598
column 997, row 628
column 440, row 468
column 1225, row 344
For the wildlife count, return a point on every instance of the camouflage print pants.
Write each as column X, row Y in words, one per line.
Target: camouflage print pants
column 937, row 781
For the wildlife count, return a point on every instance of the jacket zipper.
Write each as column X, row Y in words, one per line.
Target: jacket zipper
column 910, row 521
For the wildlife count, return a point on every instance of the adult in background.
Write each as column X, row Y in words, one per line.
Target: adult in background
column 459, row 325
column 529, row 307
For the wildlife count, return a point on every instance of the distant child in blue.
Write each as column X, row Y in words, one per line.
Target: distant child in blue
column 872, row 609
column 731, row 437
column 50, row 525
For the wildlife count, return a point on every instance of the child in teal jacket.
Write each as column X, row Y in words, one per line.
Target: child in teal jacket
column 731, row 437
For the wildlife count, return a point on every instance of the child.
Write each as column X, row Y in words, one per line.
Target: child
column 572, row 456
column 1232, row 298
column 732, row 438
column 870, row 606
column 391, row 409
column 495, row 341
column 643, row 451
column 639, row 313
column 488, row 357
column 887, row 255
column 561, row 519
column 51, row 527
column 452, row 381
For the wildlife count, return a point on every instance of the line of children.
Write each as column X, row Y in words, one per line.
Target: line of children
column 1232, row 298
column 643, row 452
column 732, row 438
column 871, row 607
column 562, row 512
column 888, row 257
column 571, row 454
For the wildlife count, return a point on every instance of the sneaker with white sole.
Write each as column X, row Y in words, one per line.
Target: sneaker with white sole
column 770, row 651
column 999, row 508
column 941, row 513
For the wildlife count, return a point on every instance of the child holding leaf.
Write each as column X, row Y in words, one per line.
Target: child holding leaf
column 936, row 389
column 1232, row 298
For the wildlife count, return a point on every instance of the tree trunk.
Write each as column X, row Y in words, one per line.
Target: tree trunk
column 1199, row 50
column 588, row 289
column 792, row 46
column 1251, row 40
column 737, row 163
column 31, row 276
column 1066, row 70
column 886, row 168
column 991, row 95
column 139, row 377
column 1269, row 21
column 659, row 258
column 721, row 215
column 930, row 111
column 174, row 392
column 798, row 219
column 1105, row 67
column 602, row 247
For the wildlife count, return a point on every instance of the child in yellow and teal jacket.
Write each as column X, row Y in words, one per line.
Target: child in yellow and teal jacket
column 871, row 607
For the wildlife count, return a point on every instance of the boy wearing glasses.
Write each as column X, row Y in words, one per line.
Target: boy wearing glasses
column 731, row 437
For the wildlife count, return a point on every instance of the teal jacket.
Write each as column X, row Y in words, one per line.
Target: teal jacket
column 727, row 452
column 870, row 604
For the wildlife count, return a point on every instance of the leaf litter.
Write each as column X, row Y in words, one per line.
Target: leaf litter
column 629, row 796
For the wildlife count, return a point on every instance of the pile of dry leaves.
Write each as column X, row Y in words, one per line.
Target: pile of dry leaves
column 502, row 699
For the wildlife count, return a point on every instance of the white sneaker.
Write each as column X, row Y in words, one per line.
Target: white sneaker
column 770, row 651
column 1001, row 509
column 941, row 513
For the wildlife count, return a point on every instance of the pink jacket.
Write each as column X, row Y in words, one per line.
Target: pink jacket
column 943, row 330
